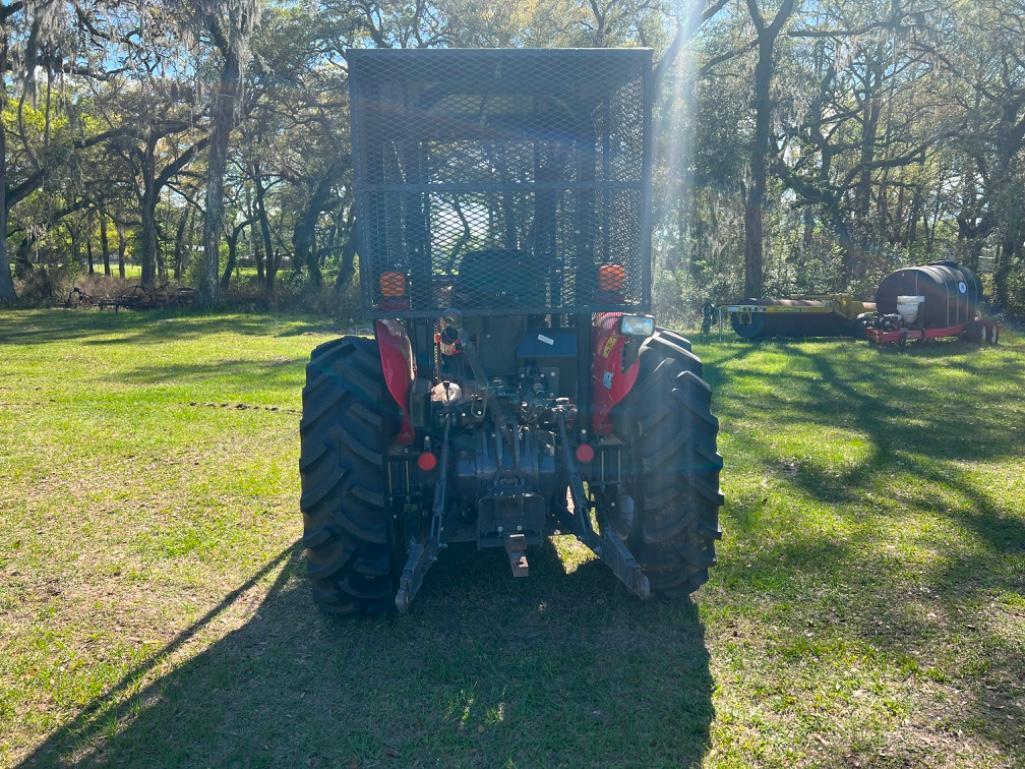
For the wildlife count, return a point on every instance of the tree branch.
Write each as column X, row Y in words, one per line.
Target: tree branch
column 172, row 169
column 715, row 61
column 684, row 32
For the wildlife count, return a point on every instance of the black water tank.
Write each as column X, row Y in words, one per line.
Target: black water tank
column 952, row 293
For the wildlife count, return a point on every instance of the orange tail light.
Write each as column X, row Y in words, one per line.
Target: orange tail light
column 612, row 278
column 392, row 284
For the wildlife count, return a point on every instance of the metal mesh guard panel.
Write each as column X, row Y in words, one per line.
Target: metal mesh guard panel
column 502, row 180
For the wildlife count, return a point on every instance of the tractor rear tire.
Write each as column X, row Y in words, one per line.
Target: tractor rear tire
column 667, row 423
column 347, row 425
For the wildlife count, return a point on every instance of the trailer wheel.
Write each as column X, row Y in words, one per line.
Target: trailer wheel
column 667, row 423
column 346, row 428
column 977, row 331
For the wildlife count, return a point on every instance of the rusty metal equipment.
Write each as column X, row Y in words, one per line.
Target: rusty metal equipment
column 135, row 298
column 805, row 315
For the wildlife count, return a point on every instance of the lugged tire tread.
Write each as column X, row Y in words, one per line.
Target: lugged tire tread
column 671, row 433
column 676, row 339
column 335, row 345
column 317, row 536
column 320, row 486
column 348, row 422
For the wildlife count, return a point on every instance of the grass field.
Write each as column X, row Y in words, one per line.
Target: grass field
column 868, row 609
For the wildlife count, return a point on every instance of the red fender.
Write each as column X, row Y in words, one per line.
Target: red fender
column 610, row 383
column 399, row 370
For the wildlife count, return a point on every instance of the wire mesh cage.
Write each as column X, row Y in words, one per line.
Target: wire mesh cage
column 502, row 181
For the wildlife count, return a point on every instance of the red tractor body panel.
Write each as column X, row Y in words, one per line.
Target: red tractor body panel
column 610, row 381
column 399, row 370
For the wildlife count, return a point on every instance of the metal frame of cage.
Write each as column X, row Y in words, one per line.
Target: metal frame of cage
column 399, row 196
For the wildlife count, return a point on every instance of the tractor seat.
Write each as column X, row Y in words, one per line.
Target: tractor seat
column 498, row 279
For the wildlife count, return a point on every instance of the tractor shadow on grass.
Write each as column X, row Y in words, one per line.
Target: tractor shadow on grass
column 105, row 328
column 555, row 670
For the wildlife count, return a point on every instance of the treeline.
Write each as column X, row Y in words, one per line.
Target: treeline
column 801, row 146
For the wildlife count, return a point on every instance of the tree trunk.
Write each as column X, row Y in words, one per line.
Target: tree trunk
column 233, row 238
column 1001, row 272
column 346, row 266
column 303, row 237
column 22, row 262
column 753, row 210
column 7, row 292
column 850, row 258
column 104, row 244
column 261, row 213
column 89, row 253
column 1010, row 246
column 229, row 268
column 190, row 238
column 256, row 248
column 122, row 247
column 854, row 259
column 76, row 247
column 254, row 240
column 220, row 134
column 304, row 233
column 179, row 245
column 148, row 213
column 161, row 261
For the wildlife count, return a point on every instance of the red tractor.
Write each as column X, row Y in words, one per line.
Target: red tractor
column 516, row 386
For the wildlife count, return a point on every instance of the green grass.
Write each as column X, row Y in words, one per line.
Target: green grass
column 868, row 608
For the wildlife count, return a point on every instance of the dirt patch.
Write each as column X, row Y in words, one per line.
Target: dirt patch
column 243, row 407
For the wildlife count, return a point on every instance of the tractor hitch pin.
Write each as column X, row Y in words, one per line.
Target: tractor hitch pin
column 516, row 549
